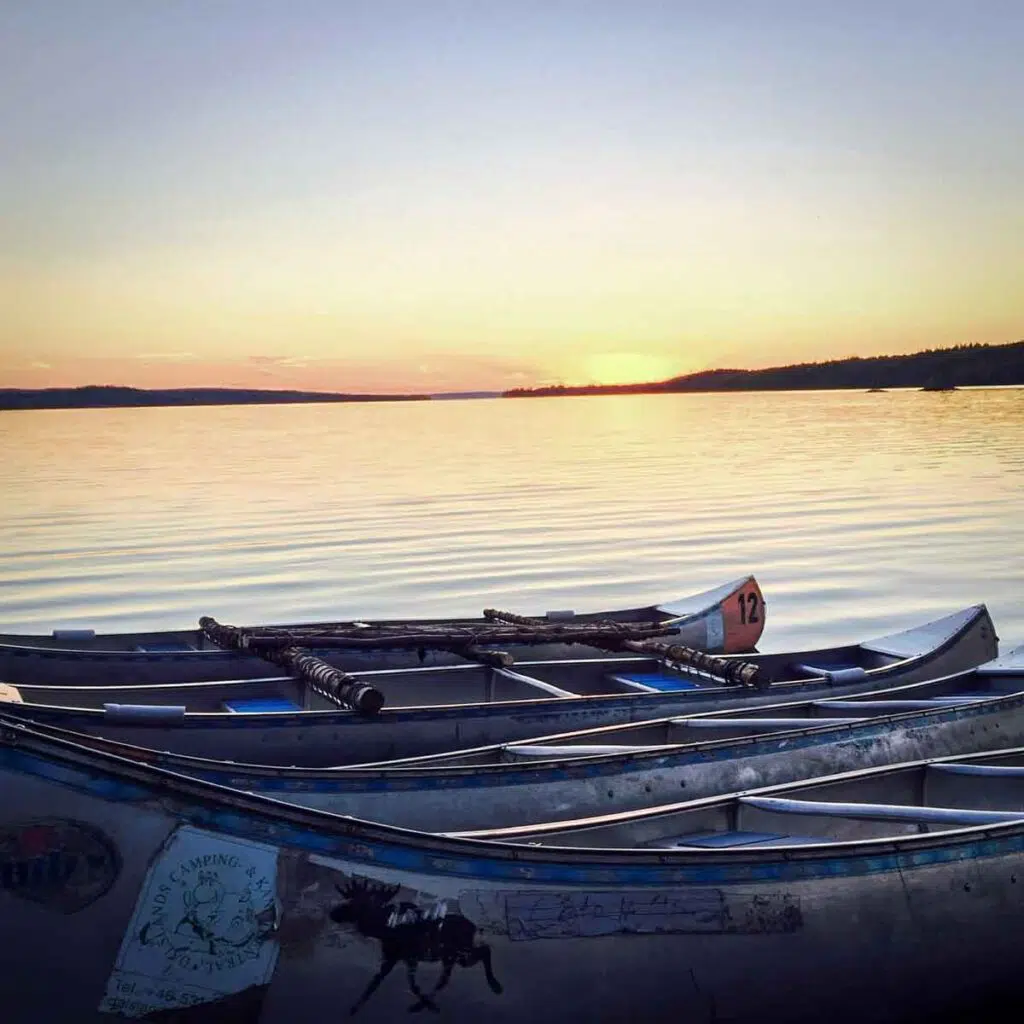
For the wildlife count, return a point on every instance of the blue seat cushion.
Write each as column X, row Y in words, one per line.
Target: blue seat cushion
column 659, row 681
column 254, row 705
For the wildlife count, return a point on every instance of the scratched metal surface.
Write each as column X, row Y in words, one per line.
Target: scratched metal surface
column 194, row 908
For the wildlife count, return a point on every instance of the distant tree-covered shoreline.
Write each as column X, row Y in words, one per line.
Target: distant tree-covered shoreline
column 969, row 365
column 99, row 396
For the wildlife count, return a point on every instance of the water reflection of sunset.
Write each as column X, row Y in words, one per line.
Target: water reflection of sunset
column 858, row 512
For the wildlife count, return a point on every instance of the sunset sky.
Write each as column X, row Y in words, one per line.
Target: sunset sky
column 432, row 195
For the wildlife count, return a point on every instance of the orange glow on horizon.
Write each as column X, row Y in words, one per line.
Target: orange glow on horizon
column 630, row 368
column 269, row 373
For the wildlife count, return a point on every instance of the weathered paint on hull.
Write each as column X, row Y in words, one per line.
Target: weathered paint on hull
column 255, row 914
column 453, row 799
column 329, row 738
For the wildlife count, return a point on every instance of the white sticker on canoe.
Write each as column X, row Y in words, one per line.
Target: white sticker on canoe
column 716, row 630
column 204, row 926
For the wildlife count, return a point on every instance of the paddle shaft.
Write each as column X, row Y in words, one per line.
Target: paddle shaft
column 738, row 673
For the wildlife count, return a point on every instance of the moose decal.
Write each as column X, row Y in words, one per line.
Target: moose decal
column 412, row 935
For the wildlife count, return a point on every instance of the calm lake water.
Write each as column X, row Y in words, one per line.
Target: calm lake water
column 859, row 513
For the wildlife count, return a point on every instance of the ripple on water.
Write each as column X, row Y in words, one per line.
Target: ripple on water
column 858, row 516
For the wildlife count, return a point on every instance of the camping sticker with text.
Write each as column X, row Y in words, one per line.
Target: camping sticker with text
column 204, row 927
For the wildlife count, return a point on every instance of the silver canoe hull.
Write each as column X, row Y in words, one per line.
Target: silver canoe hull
column 480, row 796
column 329, row 738
column 725, row 619
column 128, row 894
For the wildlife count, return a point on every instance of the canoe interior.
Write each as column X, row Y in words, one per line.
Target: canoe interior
column 402, row 688
column 440, row 709
column 930, row 797
column 735, row 723
column 430, row 686
column 728, row 618
column 184, row 640
column 193, row 639
column 674, row 734
column 99, row 917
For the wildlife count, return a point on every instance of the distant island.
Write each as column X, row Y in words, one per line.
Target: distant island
column 95, row 396
column 931, row 370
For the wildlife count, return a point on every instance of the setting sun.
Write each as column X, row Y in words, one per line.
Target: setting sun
column 628, row 368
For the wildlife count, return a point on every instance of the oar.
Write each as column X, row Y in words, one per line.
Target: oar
column 739, row 673
column 594, row 635
column 735, row 672
column 328, row 681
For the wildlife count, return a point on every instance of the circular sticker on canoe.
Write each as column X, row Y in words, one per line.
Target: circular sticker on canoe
column 63, row 865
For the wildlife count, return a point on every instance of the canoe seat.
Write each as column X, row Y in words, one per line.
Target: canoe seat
column 170, row 647
column 835, row 672
column 660, row 682
column 10, row 693
column 256, row 705
column 723, row 840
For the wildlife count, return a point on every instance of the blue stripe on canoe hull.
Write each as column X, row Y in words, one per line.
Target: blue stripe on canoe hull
column 480, row 776
column 747, row 866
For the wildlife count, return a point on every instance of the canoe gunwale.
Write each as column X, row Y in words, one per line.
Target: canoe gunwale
column 289, row 719
column 519, row 834
column 585, row 765
column 12, row 647
column 267, row 818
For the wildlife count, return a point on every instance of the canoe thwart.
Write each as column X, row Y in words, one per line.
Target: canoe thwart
column 146, row 714
column 882, row 812
column 834, row 673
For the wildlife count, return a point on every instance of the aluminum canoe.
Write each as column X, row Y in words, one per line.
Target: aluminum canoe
column 726, row 619
column 127, row 891
column 451, row 707
column 642, row 765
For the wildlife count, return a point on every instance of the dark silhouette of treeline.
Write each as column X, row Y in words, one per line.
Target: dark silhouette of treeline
column 107, row 396
column 933, row 369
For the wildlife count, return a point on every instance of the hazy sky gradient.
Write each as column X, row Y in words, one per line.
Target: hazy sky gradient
column 441, row 195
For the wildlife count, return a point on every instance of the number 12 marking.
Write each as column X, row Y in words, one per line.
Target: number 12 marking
column 745, row 615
